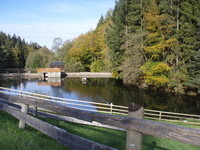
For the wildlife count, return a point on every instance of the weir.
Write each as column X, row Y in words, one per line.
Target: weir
column 50, row 72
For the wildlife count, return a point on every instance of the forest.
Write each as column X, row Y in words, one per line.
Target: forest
column 148, row 43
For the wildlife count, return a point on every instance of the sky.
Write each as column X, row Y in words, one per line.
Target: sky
column 43, row 20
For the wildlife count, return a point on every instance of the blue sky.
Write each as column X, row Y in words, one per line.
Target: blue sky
column 43, row 20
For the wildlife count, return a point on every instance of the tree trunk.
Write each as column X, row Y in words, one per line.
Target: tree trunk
column 177, row 15
column 141, row 6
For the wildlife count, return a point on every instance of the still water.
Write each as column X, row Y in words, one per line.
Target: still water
column 106, row 90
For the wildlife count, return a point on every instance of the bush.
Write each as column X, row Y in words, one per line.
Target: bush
column 97, row 66
column 74, row 66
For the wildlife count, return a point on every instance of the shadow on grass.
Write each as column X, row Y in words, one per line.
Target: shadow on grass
column 153, row 145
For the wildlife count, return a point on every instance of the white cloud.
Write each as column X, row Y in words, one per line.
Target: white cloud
column 45, row 33
column 62, row 7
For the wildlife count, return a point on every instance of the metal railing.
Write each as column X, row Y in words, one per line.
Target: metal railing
column 106, row 108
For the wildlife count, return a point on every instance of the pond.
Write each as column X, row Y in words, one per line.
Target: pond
column 106, row 90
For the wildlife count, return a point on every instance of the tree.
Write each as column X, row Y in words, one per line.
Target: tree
column 116, row 33
column 14, row 51
column 46, row 56
column 40, row 58
column 56, row 45
column 157, row 45
column 194, row 69
column 134, row 57
column 63, row 51
column 101, row 21
column 33, row 60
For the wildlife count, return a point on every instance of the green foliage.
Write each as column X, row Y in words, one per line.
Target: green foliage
column 33, row 60
column 137, row 33
column 177, row 79
column 14, row 51
column 62, row 52
column 74, row 66
column 194, row 69
column 134, row 57
column 12, row 138
column 117, row 75
column 159, row 30
column 40, row 59
column 101, row 21
column 115, row 34
column 97, row 66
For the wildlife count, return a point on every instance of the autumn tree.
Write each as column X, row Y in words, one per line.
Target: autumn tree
column 157, row 45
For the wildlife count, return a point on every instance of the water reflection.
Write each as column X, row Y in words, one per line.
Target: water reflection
column 50, row 82
column 106, row 91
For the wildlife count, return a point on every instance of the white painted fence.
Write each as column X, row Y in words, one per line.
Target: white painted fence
column 106, row 108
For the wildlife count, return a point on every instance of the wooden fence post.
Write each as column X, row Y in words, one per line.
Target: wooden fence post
column 24, row 109
column 133, row 138
column 35, row 110
column 111, row 106
column 160, row 115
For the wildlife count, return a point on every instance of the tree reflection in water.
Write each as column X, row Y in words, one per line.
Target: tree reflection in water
column 109, row 90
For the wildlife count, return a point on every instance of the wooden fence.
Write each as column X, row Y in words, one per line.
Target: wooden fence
column 62, row 136
column 158, row 129
column 107, row 108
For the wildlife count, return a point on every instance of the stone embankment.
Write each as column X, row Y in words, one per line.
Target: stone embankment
column 68, row 74
column 89, row 74
column 32, row 75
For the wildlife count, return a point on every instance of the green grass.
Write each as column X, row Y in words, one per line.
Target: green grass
column 12, row 138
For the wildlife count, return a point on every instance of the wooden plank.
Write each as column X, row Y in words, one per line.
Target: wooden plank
column 69, row 140
column 80, row 114
column 62, row 117
column 74, row 120
column 182, row 134
column 158, row 129
column 172, row 113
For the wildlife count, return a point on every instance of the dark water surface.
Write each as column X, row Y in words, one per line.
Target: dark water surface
column 106, row 90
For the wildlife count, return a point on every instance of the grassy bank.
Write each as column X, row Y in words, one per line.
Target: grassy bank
column 13, row 138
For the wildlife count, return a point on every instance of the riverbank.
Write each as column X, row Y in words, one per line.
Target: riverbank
column 68, row 74
column 89, row 74
column 30, row 75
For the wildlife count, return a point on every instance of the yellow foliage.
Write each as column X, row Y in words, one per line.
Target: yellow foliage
column 89, row 47
column 157, row 80
column 159, row 30
column 155, row 73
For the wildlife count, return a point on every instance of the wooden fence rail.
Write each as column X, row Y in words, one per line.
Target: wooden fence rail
column 106, row 108
column 62, row 136
column 173, row 132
